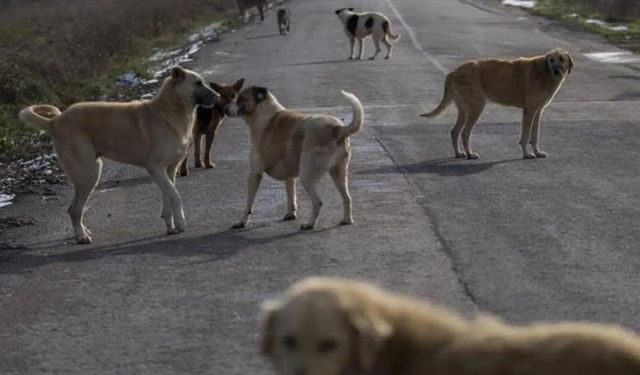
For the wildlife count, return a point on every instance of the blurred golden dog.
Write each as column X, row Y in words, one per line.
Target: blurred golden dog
column 324, row 326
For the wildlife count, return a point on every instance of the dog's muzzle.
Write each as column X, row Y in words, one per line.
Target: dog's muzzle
column 232, row 110
column 207, row 97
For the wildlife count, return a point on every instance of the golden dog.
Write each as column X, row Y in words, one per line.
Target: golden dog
column 152, row 134
column 527, row 83
column 288, row 144
column 324, row 326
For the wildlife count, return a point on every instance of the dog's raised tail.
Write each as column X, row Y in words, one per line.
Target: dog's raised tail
column 358, row 117
column 447, row 99
column 39, row 116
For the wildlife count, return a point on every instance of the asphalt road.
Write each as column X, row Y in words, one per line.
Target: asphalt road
column 524, row 239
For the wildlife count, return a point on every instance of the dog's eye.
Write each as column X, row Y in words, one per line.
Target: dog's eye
column 552, row 60
column 561, row 59
column 290, row 342
column 327, row 346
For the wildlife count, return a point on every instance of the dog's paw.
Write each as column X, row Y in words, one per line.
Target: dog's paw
column 350, row 58
column 306, row 227
column 198, row 164
column 540, row 154
column 84, row 240
column 240, row 225
column 461, row 155
column 473, row 156
column 209, row 165
column 346, row 222
column 372, row 58
column 289, row 217
column 184, row 172
column 529, row 156
column 387, row 57
column 172, row 231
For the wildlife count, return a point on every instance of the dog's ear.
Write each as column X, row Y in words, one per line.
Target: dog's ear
column 260, row 93
column 339, row 10
column 216, row 87
column 370, row 332
column 238, row 85
column 178, row 73
column 570, row 63
column 351, row 9
column 268, row 343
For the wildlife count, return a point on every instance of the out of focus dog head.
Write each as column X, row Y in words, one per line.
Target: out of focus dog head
column 559, row 62
column 323, row 326
column 191, row 88
column 340, row 11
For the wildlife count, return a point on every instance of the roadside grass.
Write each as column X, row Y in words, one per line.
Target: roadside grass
column 73, row 50
column 614, row 12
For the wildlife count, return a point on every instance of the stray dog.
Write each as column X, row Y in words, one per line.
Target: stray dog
column 527, row 83
column 284, row 21
column 287, row 144
column 359, row 25
column 152, row 134
column 245, row 5
column 324, row 326
column 208, row 120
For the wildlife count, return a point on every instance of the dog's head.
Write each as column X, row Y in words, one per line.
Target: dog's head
column 323, row 327
column 248, row 101
column 228, row 93
column 342, row 10
column 191, row 88
column 559, row 62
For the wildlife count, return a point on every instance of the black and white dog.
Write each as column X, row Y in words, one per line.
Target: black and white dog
column 284, row 21
column 359, row 25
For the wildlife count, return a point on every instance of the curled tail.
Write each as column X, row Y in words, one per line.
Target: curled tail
column 39, row 116
column 358, row 118
column 447, row 99
column 386, row 27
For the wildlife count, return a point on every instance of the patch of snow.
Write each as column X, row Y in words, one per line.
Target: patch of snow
column 6, row 199
column 614, row 57
column 607, row 25
column 520, row 3
column 129, row 79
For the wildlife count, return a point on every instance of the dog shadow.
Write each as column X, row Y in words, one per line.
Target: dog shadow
column 129, row 182
column 444, row 167
column 210, row 248
column 322, row 62
column 263, row 36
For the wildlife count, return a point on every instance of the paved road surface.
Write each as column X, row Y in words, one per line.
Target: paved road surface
column 541, row 239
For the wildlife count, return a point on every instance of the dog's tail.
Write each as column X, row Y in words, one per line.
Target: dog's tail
column 386, row 27
column 447, row 99
column 358, row 118
column 39, row 116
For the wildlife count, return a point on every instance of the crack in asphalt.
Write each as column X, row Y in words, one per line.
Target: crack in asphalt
column 445, row 247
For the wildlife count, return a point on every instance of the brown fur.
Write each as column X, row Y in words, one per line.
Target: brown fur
column 151, row 134
column 527, row 83
column 324, row 326
column 287, row 144
column 208, row 120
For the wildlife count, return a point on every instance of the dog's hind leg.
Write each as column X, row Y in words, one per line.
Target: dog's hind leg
column 455, row 135
column 313, row 165
column 535, row 136
column 528, row 117
column 352, row 42
column 172, row 211
column 197, row 149
column 254, row 184
column 472, row 114
column 84, row 174
column 291, row 200
column 386, row 42
column 340, row 175
column 376, row 43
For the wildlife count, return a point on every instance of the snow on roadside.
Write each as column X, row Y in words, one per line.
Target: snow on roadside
column 6, row 199
column 607, row 25
column 520, row 3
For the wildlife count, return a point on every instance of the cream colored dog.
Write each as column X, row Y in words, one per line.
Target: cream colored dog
column 527, row 83
column 323, row 326
column 151, row 134
column 288, row 144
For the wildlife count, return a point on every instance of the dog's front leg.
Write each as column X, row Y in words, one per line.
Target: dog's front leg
column 360, row 48
column 525, row 137
column 291, row 200
column 254, row 183
column 535, row 136
column 352, row 41
column 172, row 212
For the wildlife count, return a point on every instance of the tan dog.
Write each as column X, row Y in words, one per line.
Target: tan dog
column 151, row 134
column 527, row 83
column 286, row 144
column 208, row 120
column 323, row 326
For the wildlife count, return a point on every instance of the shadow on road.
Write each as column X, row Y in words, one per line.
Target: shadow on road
column 442, row 167
column 262, row 36
column 212, row 247
column 320, row 62
column 114, row 184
